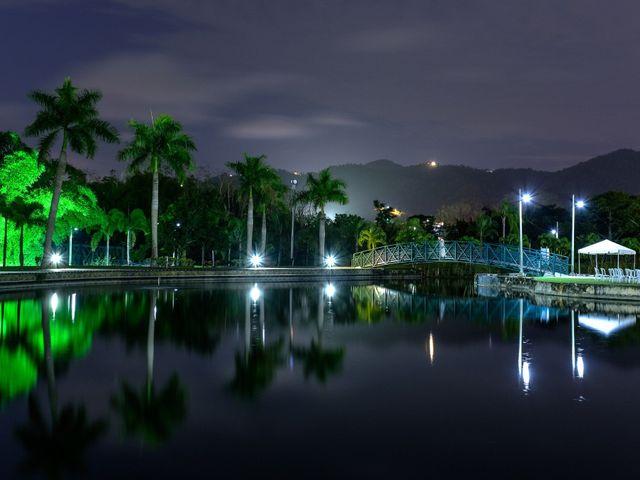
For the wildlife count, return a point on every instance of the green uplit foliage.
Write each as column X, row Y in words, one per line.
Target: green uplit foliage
column 19, row 171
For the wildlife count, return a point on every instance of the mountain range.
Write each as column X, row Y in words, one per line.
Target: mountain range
column 425, row 188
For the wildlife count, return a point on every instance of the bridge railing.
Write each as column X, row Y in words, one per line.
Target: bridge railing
column 504, row 256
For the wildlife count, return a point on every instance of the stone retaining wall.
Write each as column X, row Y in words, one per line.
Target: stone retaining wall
column 23, row 279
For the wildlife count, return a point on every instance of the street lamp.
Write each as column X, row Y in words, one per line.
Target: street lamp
column 522, row 198
column 330, row 261
column 256, row 260
column 294, row 182
column 574, row 204
column 556, row 231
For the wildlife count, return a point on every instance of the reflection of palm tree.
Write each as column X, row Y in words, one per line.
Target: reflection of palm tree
column 146, row 413
column 256, row 371
column 59, row 446
column 150, row 415
column 316, row 360
column 256, row 368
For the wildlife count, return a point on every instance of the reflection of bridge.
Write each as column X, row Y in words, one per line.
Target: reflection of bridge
column 503, row 256
column 421, row 307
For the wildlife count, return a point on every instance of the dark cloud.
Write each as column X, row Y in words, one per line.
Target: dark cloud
column 312, row 83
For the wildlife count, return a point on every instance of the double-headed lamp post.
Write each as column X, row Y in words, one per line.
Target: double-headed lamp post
column 522, row 198
column 574, row 204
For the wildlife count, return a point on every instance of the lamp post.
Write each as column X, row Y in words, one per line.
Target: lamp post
column 294, row 182
column 574, row 204
column 71, row 244
column 522, row 198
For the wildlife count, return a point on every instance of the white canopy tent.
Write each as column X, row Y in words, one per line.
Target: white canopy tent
column 606, row 247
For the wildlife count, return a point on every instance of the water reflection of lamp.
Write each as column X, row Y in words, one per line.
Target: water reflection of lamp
column 254, row 293
column 73, row 307
column 432, row 348
column 580, row 367
column 53, row 303
column 330, row 290
column 523, row 365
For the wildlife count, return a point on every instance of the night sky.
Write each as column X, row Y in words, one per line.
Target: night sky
column 311, row 83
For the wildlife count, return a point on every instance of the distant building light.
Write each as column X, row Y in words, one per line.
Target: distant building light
column 432, row 163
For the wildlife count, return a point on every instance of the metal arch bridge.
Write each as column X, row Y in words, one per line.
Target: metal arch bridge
column 498, row 255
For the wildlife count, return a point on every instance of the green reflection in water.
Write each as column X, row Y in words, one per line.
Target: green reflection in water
column 56, row 445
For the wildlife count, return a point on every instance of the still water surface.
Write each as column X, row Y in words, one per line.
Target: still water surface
column 314, row 380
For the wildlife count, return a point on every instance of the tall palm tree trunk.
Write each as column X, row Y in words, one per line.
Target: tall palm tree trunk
column 321, row 235
column 108, row 257
column 48, row 356
column 151, row 341
column 128, row 247
column 21, row 245
column 4, row 243
column 55, row 199
column 250, row 225
column 504, row 227
column 263, row 236
column 154, row 215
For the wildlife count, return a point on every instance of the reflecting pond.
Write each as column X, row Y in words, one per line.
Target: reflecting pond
column 316, row 380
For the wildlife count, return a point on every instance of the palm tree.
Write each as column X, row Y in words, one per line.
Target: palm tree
column 270, row 195
column 508, row 215
column 24, row 213
column 484, row 225
column 72, row 114
column 134, row 222
column 109, row 224
column 320, row 191
column 161, row 143
column 254, row 175
column 372, row 237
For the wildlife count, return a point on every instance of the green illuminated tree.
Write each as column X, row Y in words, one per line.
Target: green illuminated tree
column 73, row 115
column 10, row 142
column 372, row 237
column 322, row 190
column 57, row 445
column 254, row 175
column 110, row 223
column 162, row 143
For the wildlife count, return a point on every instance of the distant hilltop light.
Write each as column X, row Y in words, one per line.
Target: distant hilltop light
column 432, row 163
